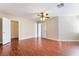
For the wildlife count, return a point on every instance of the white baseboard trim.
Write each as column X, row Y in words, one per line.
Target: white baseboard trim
column 26, row 38
column 51, row 39
column 67, row 40
column 61, row 40
column 48, row 39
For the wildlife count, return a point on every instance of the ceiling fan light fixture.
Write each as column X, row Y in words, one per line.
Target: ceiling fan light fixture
column 43, row 16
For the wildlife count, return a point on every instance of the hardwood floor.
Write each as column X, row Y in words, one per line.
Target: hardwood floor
column 44, row 47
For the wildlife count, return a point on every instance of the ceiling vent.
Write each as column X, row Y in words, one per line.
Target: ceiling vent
column 60, row 5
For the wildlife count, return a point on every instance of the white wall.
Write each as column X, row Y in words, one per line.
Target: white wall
column 27, row 29
column 52, row 29
column 63, row 28
column 44, row 30
column 26, row 26
column 68, row 28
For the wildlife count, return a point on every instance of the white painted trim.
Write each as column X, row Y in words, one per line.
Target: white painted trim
column 67, row 40
column 61, row 40
column 48, row 39
column 26, row 38
column 51, row 39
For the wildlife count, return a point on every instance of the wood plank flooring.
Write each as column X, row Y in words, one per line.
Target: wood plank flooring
column 43, row 47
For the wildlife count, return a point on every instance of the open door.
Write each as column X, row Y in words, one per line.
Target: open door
column 5, row 30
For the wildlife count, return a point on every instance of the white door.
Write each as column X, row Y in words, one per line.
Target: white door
column 6, row 30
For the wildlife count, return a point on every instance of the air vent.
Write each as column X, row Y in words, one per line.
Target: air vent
column 60, row 5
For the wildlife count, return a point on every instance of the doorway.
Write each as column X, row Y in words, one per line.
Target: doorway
column 14, row 30
column 0, row 31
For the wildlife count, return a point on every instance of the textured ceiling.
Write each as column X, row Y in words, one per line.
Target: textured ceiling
column 32, row 9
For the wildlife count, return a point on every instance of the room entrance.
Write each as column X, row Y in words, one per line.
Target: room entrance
column 14, row 30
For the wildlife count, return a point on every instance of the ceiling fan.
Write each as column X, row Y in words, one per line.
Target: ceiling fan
column 43, row 16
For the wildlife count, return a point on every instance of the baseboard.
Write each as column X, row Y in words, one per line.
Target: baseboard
column 60, row 40
column 67, row 40
column 51, row 39
column 28, row 38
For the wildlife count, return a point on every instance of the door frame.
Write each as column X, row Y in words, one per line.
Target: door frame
column 18, row 28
